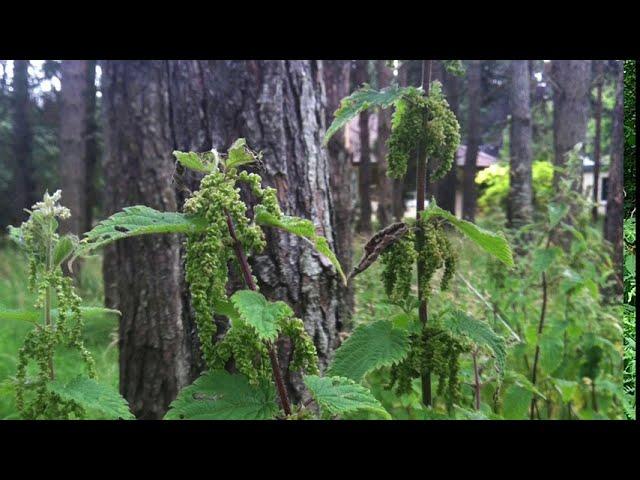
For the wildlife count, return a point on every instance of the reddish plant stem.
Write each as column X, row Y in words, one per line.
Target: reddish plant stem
column 421, row 186
column 248, row 278
column 476, row 375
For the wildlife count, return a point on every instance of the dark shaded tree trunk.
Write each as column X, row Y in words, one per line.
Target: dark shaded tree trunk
column 73, row 145
column 474, row 91
column 23, row 195
column 364, row 168
column 398, row 185
column 615, row 195
column 278, row 107
column 143, row 276
column 91, row 153
column 571, row 83
column 337, row 75
column 385, row 185
column 597, row 116
column 446, row 191
column 520, row 199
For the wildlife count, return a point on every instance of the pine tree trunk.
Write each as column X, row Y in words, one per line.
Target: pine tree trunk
column 337, row 74
column 474, row 91
column 615, row 195
column 23, row 195
column 520, row 200
column 597, row 116
column 385, row 186
column 446, row 192
column 278, row 107
column 143, row 276
column 571, row 82
column 91, row 152
column 364, row 169
column 73, row 145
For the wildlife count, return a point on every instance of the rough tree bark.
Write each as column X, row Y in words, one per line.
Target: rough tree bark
column 91, row 152
column 520, row 199
column 337, row 74
column 364, row 169
column 615, row 195
column 385, row 186
column 143, row 275
column 446, row 191
column 571, row 82
column 474, row 92
column 73, row 145
column 23, row 195
column 278, row 107
column 597, row 116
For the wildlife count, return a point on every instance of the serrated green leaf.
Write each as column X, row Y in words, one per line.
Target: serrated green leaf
column 226, row 308
column 566, row 388
column 35, row 315
column 369, row 347
column 239, row 154
column 543, row 258
column 64, row 248
column 551, row 352
column 492, row 243
column 219, row 395
column 362, row 99
column 340, row 395
column 516, row 402
column 523, row 382
column 556, row 213
column 138, row 220
column 92, row 395
column 480, row 333
column 262, row 315
column 302, row 228
column 200, row 162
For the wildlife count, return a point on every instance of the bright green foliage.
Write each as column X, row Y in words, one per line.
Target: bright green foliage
column 94, row 396
column 368, row 348
column 398, row 260
column 442, row 132
column 35, row 316
column 64, row 248
column 262, row 315
column 219, row 395
column 239, row 154
column 339, row 396
column 300, row 227
column 362, row 99
column 200, row 162
column 454, row 67
column 480, row 333
column 492, row 243
column 138, row 220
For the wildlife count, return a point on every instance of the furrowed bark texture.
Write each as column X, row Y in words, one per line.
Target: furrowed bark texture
column 73, row 145
column 519, row 204
column 337, row 75
column 385, row 187
column 143, row 275
column 278, row 106
column 571, row 84
column 597, row 115
column 615, row 196
column 364, row 169
column 91, row 151
column 474, row 90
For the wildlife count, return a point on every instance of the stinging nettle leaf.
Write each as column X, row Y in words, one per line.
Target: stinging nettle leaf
column 492, row 243
column 92, row 395
column 368, row 348
column 240, row 154
column 64, row 248
column 198, row 162
column 219, row 395
column 262, row 315
column 339, row 396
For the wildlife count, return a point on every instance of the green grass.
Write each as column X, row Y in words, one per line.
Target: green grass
column 100, row 334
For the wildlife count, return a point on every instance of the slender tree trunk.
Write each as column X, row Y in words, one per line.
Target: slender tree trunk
column 615, row 195
column 571, row 81
column 364, row 169
column 91, row 153
column 446, row 193
column 73, row 145
column 474, row 92
column 385, row 186
column 143, row 276
column 278, row 107
column 520, row 201
column 23, row 195
column 399, row 184
column 337, row 83
column 598, row 137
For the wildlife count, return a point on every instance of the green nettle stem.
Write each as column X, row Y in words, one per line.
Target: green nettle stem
column 476, row 378
column 421, row 187
column 248, row 278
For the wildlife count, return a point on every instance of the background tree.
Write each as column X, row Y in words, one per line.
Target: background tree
column 384, row 75
column 474, row 94
column 92, row 152
column 597, row 115
column 615, row 197
column 520, row 207
column 446, row 191
column 364, row 170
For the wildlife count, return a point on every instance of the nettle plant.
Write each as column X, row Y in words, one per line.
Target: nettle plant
column 220, row 237
column 39, row 394
column 417, row 346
